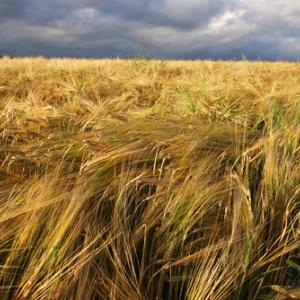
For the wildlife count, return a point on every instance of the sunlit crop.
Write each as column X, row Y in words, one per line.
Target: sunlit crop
column 149, row 179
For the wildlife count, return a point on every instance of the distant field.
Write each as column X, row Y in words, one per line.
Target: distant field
column 149, row 180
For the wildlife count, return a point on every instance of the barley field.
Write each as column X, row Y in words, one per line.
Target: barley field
column 141, row 179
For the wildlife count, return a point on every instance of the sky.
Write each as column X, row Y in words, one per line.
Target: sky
column 163, row 29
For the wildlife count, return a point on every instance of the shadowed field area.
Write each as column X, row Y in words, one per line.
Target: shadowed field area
column 149, row 179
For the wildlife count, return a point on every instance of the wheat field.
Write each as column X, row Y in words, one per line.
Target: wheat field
column 143, row 179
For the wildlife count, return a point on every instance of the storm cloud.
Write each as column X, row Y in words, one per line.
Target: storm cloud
column 174, row 29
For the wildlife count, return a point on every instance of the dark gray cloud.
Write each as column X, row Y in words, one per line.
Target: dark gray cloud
column 217, row 29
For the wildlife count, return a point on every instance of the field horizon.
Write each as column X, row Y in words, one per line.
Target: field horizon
column 149, row 179
column 145, row 57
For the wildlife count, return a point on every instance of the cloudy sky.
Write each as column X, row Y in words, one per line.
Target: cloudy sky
column 175, row 29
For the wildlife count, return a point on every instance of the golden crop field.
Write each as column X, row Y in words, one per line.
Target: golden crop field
column 147, row 179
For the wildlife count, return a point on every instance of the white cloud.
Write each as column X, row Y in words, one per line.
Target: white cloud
column 221, row 31
column 218, row 23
